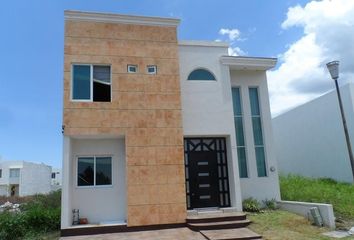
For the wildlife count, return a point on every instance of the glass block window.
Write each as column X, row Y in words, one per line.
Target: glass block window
column 240, row 137
column 201, row 74
column 91, row 83
column 257, row 132
column 94, row 171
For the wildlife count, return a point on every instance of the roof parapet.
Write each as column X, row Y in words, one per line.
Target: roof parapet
column 120, row 18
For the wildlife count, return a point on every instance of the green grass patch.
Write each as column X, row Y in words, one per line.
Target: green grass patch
column 280, row 225
column 340, row 195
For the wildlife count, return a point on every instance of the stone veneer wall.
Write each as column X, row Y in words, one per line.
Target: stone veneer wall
column 146, row 109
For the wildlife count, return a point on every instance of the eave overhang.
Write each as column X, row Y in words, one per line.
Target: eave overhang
column 248, row 63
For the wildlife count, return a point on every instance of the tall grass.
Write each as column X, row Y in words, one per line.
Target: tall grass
column 323, row 190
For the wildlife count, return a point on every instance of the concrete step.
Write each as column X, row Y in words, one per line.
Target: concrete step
column 231, row 234
column 199, row 226
column 216, row 217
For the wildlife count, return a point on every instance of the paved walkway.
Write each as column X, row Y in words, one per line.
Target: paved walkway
column 166, row 234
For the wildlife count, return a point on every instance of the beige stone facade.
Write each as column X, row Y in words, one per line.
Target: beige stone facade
column 145, row 109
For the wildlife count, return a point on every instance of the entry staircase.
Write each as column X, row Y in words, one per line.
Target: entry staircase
column 221, row 224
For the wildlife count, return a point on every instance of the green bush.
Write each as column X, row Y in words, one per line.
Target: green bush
column 251, row 205
column 42, row 219
column 270, row 204
column 12, row 226
column 40, row 214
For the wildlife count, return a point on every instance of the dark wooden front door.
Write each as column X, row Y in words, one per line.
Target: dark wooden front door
column 203, row 173
column 207, row 182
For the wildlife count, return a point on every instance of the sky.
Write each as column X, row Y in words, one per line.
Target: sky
column 302, row 34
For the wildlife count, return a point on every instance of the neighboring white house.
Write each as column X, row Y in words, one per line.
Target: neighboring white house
column 20, row 178
column 154, row 126
column 56, row 179
column 310, row 140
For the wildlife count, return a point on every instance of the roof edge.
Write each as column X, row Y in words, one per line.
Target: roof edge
column 203, row 43
column 71, row 15
column 242, row 63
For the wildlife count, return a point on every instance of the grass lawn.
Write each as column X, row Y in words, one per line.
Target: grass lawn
column 45, row 236
column 282, row 225
column 340, row 195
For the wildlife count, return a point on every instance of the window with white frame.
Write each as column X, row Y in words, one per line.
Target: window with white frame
column 0, row 173
column 132, row 68
column 151, row 69
column 94, row 171
column 91, row 83
column 14, row 172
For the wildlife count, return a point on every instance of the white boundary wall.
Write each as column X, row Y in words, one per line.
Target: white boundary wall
column 303, row 208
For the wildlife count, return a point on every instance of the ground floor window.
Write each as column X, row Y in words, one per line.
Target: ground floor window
column 94, row 171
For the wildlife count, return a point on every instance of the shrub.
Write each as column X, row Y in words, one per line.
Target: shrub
column 270, row 204
column 251, row 205
column 12, row 226
column 41, row 219
column 40, row 214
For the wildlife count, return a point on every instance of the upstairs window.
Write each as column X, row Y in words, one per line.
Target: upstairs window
column 91, row 83
column 53, row 175
column 132, row 68
column 14, row 172
column 151, row 69
column 0, row 173
column 201, row 74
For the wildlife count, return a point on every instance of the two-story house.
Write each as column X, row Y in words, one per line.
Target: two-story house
column 154, row 127
column 21, row 178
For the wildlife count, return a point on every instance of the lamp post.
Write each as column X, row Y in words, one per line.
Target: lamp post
column 333, row 70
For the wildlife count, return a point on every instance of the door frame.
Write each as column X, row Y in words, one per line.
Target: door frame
column 209, row 144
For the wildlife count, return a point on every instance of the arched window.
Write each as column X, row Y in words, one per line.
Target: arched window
column 201, row 74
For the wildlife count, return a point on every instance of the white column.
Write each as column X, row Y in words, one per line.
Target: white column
column 65, row 193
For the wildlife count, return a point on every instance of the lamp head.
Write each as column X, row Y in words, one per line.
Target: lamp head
column 333, row 68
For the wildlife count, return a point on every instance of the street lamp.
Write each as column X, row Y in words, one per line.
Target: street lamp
column 333, row 70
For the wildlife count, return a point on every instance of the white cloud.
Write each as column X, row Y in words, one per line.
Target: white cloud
column 328, row 35
column 236, row 51
column 233, row 36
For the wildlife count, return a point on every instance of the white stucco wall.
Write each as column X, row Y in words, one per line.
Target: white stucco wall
column 35, row 178
column 260, row 188
column 103, row 203
column 58, row 176
column 310, row 139
column 207, row 105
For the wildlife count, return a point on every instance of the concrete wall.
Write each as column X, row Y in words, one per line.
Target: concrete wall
column 207, row 105
column 257, row 187
column 4, row 190
column 103, row 203
column 35, row 178
column 145, row 108
column 310, row 139
column 303, row 209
